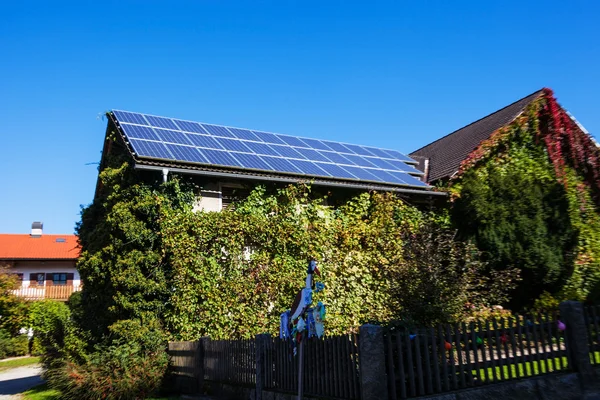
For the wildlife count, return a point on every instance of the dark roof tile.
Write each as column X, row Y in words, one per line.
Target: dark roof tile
column 446, row 154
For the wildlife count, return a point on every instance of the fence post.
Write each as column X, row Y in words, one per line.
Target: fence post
column 199, row 370
column 262, row 342
column 576, row 340
column 373, row 374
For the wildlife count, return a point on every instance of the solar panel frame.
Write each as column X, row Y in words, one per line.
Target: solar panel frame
column 179, row 140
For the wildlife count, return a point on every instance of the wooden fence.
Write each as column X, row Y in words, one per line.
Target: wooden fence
column 331, row 367
column 230, row 361
column 591, row 314
column 54, row 292
column 452, row 357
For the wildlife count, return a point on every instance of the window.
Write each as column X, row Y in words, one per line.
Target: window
column 37, row 278
column 59, row 279
column 231, row 194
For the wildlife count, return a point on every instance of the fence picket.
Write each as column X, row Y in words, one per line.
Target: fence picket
column 459, row 355
column 419, row 366
column 436, row 361
column 427, row 357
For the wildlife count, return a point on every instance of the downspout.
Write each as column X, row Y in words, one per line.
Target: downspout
column 165, row 172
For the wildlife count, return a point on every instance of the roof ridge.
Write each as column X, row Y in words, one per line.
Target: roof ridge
column 539, row 91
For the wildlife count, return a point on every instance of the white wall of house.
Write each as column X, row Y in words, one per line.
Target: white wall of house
column 209, row 199
column 48, row 267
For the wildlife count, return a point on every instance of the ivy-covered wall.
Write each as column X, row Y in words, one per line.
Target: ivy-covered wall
column 528, row 197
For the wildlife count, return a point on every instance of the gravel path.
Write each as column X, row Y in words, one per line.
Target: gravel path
column 17, row 380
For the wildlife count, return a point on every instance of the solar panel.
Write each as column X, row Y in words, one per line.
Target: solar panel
column 146, row 148
column 220, row 146
column 173, row 136
column 139, row 132
column 233, row 145
column 204, row 141
column 252, row 161
column 186, row 153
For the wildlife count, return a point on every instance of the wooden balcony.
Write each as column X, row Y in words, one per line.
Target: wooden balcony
column 56, row 292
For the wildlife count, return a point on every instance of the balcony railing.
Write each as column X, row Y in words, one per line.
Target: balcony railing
column 57, row 292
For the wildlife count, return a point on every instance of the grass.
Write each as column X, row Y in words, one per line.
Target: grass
column 530, row 368
column 18, row 362
column 43, row 392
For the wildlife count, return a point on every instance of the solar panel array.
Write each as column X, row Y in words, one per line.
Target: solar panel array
column 194, row 142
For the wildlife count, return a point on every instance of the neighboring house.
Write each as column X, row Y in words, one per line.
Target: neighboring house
column 45, row 264
column 228, row 162
column 441, row 159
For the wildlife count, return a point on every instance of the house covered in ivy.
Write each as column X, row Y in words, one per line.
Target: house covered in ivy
column 525, row 187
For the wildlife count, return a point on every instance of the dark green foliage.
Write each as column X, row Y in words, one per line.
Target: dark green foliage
column 13, row 346
column 519, row 221
column 442, row 276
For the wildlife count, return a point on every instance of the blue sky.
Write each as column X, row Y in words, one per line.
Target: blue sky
column 386, row 73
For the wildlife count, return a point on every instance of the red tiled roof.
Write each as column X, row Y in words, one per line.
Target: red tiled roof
column 25, row 247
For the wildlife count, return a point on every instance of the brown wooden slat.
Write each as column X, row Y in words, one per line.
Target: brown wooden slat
column 490, row 356
column 474, row 335
column 536, row 342
column 459, row 355
column 401, row 365
column 444, row 360
column 513, row 344
column 435, row 361
column 390, row 366
column 545, row 358
column 468, row 367
column 418, row 364
column 410, row 364
column 427, row 358
column 504, row 338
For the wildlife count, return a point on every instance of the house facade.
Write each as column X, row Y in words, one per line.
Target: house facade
column 45, row 264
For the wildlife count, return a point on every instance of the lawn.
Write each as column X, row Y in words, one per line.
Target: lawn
column 18, row 362
column 43, row 392
column 530, row 368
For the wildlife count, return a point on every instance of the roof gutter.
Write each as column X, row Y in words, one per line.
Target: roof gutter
column 286, row 180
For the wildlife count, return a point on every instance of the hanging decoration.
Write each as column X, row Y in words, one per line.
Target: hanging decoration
column 301, row 316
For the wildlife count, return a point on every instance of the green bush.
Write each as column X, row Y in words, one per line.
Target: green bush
column 132, row 367
column 13, row 346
